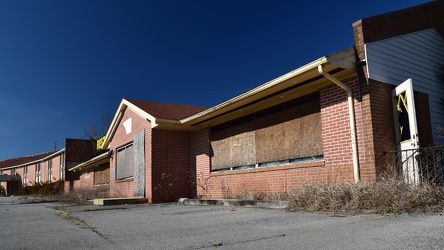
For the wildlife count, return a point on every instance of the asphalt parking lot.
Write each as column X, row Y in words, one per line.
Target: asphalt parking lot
column 176, row 226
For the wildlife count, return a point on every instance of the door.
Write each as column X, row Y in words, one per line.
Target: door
column 407, row 141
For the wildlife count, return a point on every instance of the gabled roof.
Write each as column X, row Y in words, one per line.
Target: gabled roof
column 166, row 110
column 301, row 81
column 16, row 162
column 155, row 112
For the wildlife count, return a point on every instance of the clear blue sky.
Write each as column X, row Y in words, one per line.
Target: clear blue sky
column 67, row 64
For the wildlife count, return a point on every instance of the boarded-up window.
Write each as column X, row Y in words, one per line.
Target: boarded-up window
column 125, row 162
column 284, row 132
column 234, row 146
column 101, row 174
column 290, row 133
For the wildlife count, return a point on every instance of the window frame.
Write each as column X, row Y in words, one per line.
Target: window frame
column 128, row 173
column 98, row 172
column 49, row 170
column 37, row 173
column 62, row 167
column 25, row 176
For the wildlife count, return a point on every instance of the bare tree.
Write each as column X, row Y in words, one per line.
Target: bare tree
column 96, row 130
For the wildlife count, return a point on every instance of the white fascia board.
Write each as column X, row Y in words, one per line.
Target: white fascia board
column 117, row 116
column 276, row 81
column 90, row 161
column 124, row 104
column 141, row 113
column 345, row 59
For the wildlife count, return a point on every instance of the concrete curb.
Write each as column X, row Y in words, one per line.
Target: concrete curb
column 236, row 203
column 119, row 201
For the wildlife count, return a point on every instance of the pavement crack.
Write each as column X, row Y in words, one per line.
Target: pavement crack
column 210, row 245
column 79, row 222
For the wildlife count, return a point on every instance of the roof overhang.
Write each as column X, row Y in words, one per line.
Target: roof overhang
column 96, row 161
column 9, row 178
column 299, row 82
column 155, row 122
column 35, row 161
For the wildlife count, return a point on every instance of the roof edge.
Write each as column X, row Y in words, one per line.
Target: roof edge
column 91, row 162
column 310, row 66
column 35, row 161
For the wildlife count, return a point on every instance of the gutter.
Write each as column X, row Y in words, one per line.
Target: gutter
column 351, row 113
column 92, row 162
column 259, row 89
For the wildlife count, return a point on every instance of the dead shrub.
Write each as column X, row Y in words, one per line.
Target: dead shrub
column 80, row 196
column 2, row 191
column 388, row 195
column 47, row 188
column 250, row 194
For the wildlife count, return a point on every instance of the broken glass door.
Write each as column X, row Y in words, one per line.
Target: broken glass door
column 407, row 141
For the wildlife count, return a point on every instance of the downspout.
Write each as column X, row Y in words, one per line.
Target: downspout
column 351, row 113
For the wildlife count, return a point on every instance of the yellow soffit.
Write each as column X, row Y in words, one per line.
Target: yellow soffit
column 96, row 161
column 341, row 60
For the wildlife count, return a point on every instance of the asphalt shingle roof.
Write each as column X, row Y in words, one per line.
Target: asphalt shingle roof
column 23, row 160
column 166, row 110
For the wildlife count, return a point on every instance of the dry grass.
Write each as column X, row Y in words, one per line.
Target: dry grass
column 388, row 195
column 255, row 195
column 83, row 195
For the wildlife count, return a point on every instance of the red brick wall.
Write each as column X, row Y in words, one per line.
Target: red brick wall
column 338, row 165
column 397, row 23
column 86, row 179
column 374, row 127
column 31, row 174
column 148, row 161
column 422, row 107
column 377, row 118
column 125, row 188
column 20, row 172
column 259, row 181
column 71, row 181
column 56, row 168
column 170, row 165
column 402, row 22
column 5, row 184
column 381, row 126
column 200, row 160
column 336, row 129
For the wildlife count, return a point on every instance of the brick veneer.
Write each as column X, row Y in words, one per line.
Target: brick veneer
column 337, row 166
column 422, row 106
column 125, row 188
column 170, row 165
column 376, row 96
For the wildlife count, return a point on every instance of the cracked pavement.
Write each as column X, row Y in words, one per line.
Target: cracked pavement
column 174, row 226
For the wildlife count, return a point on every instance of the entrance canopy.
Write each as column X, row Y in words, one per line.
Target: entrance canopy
column 9, row 178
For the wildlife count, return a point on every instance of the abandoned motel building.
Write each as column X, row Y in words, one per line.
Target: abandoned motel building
column 351, row 116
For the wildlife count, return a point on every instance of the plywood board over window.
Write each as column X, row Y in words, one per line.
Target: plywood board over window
column 234, row 146
column 288, row 131
column 101, row 174
column 125, row 162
